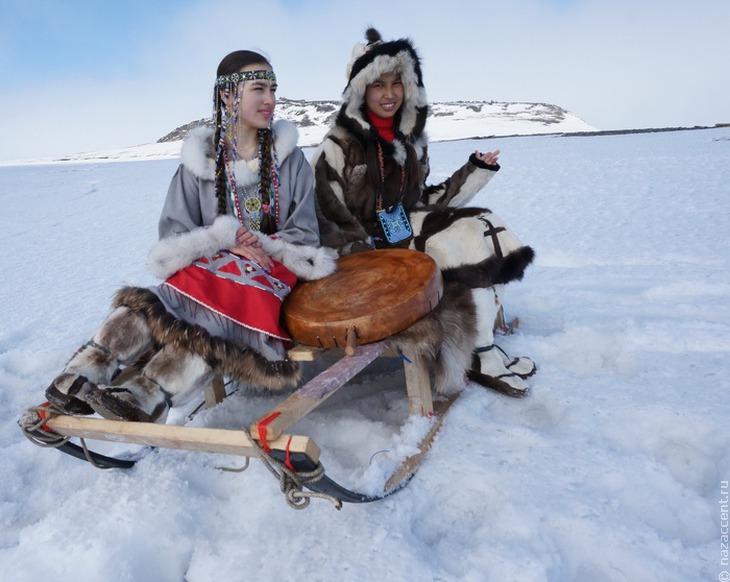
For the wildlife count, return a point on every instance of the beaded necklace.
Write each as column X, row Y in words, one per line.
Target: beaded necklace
column 393, row 220
column 250, row 214
column 381, row 186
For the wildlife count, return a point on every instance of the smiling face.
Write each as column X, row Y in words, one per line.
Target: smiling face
column 384, row 97
column 256, row 100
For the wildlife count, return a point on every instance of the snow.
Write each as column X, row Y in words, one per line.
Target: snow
column 612, row 469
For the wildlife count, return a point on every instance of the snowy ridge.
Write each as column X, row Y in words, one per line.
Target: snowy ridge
column 447, row 122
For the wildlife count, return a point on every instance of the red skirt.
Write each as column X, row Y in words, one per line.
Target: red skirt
column 237, row 289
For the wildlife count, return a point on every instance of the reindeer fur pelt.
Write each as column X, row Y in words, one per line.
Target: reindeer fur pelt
column 445, row 336
column 239, row 363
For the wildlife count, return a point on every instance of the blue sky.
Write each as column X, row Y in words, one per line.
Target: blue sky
column 83, row 75
column 57, row 38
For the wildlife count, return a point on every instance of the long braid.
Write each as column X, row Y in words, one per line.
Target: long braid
column 268, row 219
column 221, row 187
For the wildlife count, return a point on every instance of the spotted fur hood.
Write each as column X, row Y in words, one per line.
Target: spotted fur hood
column 369, row 62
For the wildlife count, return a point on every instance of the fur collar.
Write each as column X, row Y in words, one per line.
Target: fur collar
column 198, row 152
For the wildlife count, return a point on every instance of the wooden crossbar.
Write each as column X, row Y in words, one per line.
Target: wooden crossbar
column 315, row 392
column 205, row 440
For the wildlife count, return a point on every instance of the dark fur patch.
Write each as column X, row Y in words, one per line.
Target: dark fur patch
column 492, row 270
column 495, row 384
column 514, row 264
column 239, row 363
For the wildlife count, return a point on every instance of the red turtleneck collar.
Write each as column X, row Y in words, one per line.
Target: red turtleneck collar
column 384, row 125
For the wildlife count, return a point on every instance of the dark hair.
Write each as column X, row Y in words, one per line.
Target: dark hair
column 232, row 63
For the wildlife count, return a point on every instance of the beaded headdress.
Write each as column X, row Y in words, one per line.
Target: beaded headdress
column 235, row 78
column 228, row 82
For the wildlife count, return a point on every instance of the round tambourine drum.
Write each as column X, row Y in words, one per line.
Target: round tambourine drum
column 371, row 296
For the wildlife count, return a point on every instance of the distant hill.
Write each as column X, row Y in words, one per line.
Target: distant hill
column 450, row 121
column 447, row 121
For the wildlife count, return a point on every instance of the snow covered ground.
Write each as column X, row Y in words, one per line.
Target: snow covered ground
column 615, row 468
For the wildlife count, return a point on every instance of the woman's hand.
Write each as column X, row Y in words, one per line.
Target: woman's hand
column 489, row 158
column 247, row 238
column 248, row 246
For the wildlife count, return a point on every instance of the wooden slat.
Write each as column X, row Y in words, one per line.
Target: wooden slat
column 316, row 391
column 418, row 384
column 302, row 353
column 216, row 392
column 206, row 440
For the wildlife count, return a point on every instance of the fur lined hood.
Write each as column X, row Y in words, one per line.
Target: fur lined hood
column 369, row 62
column 198, row 152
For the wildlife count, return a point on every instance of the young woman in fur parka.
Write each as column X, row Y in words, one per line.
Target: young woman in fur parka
column 370, row 174
column 237, row 228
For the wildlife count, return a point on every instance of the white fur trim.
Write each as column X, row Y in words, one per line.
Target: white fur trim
column 306, row 262
column 196, row 152
column 453, row 363
column 177, row 252
column 357, row 51
column 198, row 155
column 286, row 136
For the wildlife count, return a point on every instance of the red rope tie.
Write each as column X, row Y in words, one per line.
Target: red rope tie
column 287, row 458
column 262, row 430
column 42, row 414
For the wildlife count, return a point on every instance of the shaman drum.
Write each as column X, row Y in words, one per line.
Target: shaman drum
column 371, row 296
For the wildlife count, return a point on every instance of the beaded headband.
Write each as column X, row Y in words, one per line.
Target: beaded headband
column 235, row 78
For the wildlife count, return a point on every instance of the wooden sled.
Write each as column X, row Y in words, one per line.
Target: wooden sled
column 332, row 316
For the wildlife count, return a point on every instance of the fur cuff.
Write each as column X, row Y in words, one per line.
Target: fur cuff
column 479, row 163
column 177, row 252
column 306, row 262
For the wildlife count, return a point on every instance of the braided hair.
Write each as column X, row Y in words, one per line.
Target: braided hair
column 230, row 64
column 268, row 220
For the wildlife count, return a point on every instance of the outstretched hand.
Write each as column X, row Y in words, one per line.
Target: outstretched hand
column 489, row 158
column 248, row 246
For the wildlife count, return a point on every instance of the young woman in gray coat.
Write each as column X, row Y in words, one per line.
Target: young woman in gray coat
column 237, row 228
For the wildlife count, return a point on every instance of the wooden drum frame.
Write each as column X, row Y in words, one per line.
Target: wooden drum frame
column 371, row 296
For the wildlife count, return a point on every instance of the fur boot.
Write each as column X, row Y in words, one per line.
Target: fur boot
column 491, row 366
column 120, row 340
column 169, row 379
